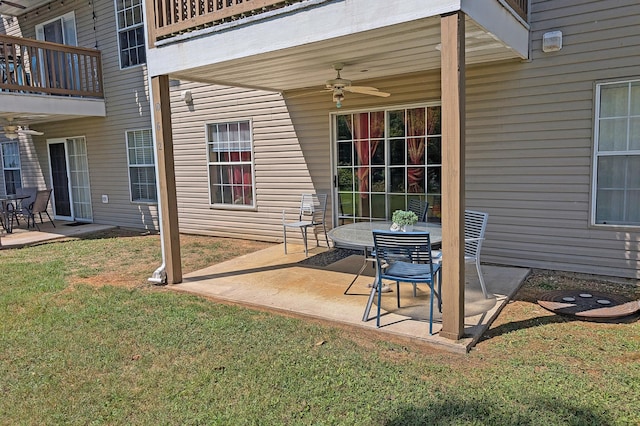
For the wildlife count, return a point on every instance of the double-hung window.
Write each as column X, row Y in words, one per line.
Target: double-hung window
column 229, row 147
column 130, row 32
column 11, row 166
column 142, row 168
column 617, row 154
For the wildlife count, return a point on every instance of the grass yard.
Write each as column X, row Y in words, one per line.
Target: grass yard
column 85, row 340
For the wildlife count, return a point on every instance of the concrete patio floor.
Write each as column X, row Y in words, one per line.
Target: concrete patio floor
column 21, row 237
column 269, row 279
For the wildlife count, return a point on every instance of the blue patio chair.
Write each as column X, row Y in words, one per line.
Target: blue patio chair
column 404, row 257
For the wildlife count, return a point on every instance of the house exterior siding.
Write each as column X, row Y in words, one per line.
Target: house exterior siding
column 529, row 139
column 128, row 108
column 528, row 153
column 292, row 146
column 530, row 142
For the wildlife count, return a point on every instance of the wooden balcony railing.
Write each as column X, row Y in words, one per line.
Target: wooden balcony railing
column 31, row 66
column 177, row 16
column 173, row 17
column 521, row 7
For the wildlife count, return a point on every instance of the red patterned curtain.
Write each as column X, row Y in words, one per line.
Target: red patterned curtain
column 239, row 176
column 415, row 148
column 366, row 126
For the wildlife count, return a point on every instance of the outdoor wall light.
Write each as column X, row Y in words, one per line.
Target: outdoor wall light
column 552, row 41
column 186, row 96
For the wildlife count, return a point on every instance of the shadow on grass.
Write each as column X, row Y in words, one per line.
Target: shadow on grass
column 115, row 233
column 551, row 319
column 541, row 411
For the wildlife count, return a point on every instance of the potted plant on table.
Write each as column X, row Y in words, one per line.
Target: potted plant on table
column 403, row 220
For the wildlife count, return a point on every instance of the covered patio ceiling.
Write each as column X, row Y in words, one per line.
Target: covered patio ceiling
column 393, row 50
column 19, row 7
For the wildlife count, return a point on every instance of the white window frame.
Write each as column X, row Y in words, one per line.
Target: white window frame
column 4, row 168
column 129, row 28
column 251, row 163
column 130, row 166
column 68, row 23
column 597, row 154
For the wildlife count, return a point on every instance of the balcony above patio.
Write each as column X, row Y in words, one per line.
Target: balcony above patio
column 42, row 81
column 295, row 42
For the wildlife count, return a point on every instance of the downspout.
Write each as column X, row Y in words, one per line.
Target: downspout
column 159, row 276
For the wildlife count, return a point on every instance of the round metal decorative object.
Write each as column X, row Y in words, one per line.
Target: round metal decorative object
column 588, row 304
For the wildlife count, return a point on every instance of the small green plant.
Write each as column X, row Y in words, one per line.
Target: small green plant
column 403, row 217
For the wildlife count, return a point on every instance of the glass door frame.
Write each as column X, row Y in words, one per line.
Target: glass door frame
column 434, row 208
column 70, row 184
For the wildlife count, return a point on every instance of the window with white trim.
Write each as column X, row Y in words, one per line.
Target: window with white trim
column 230, row 154
column 11, row 167
column 617, row 154
column 142, row 168
column 131, row 40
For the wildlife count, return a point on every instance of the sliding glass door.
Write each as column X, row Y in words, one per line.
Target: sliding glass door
column 70, row 179
column 384, row 158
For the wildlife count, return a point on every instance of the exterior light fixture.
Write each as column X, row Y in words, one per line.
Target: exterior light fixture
column 552, row 41
column 338, row 97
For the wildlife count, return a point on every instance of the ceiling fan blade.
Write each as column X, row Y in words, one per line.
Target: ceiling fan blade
column 12, row 4
column 365, row 90
column 30, row 132
column 303, row 94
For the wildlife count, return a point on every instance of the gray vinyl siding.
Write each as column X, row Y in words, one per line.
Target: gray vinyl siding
column 529, row 144
column 289, row 159
column 127, row 105
column 530, row 141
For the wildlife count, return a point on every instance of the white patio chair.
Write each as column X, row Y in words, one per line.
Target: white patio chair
column 312, row 213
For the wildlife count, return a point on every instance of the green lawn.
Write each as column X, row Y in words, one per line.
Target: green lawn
column 85, row 340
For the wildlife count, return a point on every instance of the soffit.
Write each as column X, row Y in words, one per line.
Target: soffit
column 394, row 50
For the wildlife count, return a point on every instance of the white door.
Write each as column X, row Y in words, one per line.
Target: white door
column 69, row 171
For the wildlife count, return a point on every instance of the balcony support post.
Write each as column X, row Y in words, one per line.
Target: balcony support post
column 452, row 83
column 167, row 202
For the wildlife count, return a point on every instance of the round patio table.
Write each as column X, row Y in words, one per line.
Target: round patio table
column 360, row 234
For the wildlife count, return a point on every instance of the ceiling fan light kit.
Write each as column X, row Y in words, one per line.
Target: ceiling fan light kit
column 340, row 85
column 12, row 131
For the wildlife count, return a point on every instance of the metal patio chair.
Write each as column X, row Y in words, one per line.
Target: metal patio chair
column 313, row 208
column 404, row 257
column 475, row 225
column 38, row 206
column 419, row 207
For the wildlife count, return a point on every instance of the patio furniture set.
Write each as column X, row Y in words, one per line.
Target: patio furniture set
column 26, row 203
column 398, row 256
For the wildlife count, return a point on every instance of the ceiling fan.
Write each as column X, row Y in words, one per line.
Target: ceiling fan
column 12, row 4
column 340, row 85
column 11, row 130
